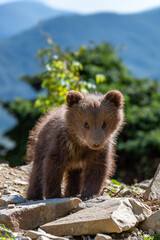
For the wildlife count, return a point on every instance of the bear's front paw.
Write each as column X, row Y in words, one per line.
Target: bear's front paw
column 85, row 198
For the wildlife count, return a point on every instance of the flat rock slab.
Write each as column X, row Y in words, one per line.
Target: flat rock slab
column 153, row 191
column 35, row 213
column 113, row 215
column 152, row 222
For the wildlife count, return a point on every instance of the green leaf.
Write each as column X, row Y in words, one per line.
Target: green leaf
column 116, row 182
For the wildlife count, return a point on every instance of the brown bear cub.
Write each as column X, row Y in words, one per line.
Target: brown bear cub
column 76, row 139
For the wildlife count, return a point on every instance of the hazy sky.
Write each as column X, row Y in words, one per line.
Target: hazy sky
column 88, row 6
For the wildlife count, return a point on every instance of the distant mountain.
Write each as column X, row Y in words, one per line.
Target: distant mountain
column 19, row 16
column 138, row 34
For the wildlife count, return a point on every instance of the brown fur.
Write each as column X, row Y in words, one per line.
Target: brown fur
column 62, row 142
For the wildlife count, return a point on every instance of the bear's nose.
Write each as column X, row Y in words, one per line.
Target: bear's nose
column 96, row 143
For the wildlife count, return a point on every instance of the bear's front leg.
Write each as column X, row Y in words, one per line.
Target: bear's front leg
column 73, row 183
column 52, row 177
column 94, row 177
column 34, row 191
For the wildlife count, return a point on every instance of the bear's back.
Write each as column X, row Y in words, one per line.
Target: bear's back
column 46, row 132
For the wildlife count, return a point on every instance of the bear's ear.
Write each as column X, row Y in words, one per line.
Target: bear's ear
column 115, row 97
column 73, row 97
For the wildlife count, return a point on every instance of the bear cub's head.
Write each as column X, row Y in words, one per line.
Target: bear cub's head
column 94, row 119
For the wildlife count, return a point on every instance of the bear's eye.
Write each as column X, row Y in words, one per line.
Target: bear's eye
column 104, row 125
column 86, row 125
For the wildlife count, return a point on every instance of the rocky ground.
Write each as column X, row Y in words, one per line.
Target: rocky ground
column 13, row 179
column 117, row 200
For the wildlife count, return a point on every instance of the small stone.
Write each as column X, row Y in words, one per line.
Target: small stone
column 36, row 234
column 2, row 203
column 100, row 236
column 8, row 182
column 11, row 206
column 126, row 193
column 3, row 166
column 122, row 235
column 42, row 238
column 6, row 177
column 133, row 230
column 11, row 198
column 23, row 238
column 20, row 182
column 151, row 232
column 134, row 234
column 6, row 192
column 26, row 168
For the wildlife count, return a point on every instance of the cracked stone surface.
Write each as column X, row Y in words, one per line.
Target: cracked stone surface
column 113, row 215
column 35, row 213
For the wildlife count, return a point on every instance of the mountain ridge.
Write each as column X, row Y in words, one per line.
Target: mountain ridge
column 131, row 31
column 24, row 15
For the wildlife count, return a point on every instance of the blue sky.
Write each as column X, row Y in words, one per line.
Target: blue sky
column 89, row 6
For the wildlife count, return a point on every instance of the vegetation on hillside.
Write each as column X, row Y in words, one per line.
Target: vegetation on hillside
column 96, row 68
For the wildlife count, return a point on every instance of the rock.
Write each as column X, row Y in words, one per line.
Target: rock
column 92, row 202
column 35, row 213
column 12, row 198
column 134, row 229
column 2, row 203
column 126, row 193
column 11, row 205
column 100, row 236
column 5, row 233
column 144, row 184
column 20, row 182
column 113, row 215
column 152, row 222
column 3, row 166
column 26, row 168
column 20, row 236
column 35, row 234
column 23, row 238
column 151, row 232
column 153, row 191
column 134, row 238
column 7, row 192
column 43, row 238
